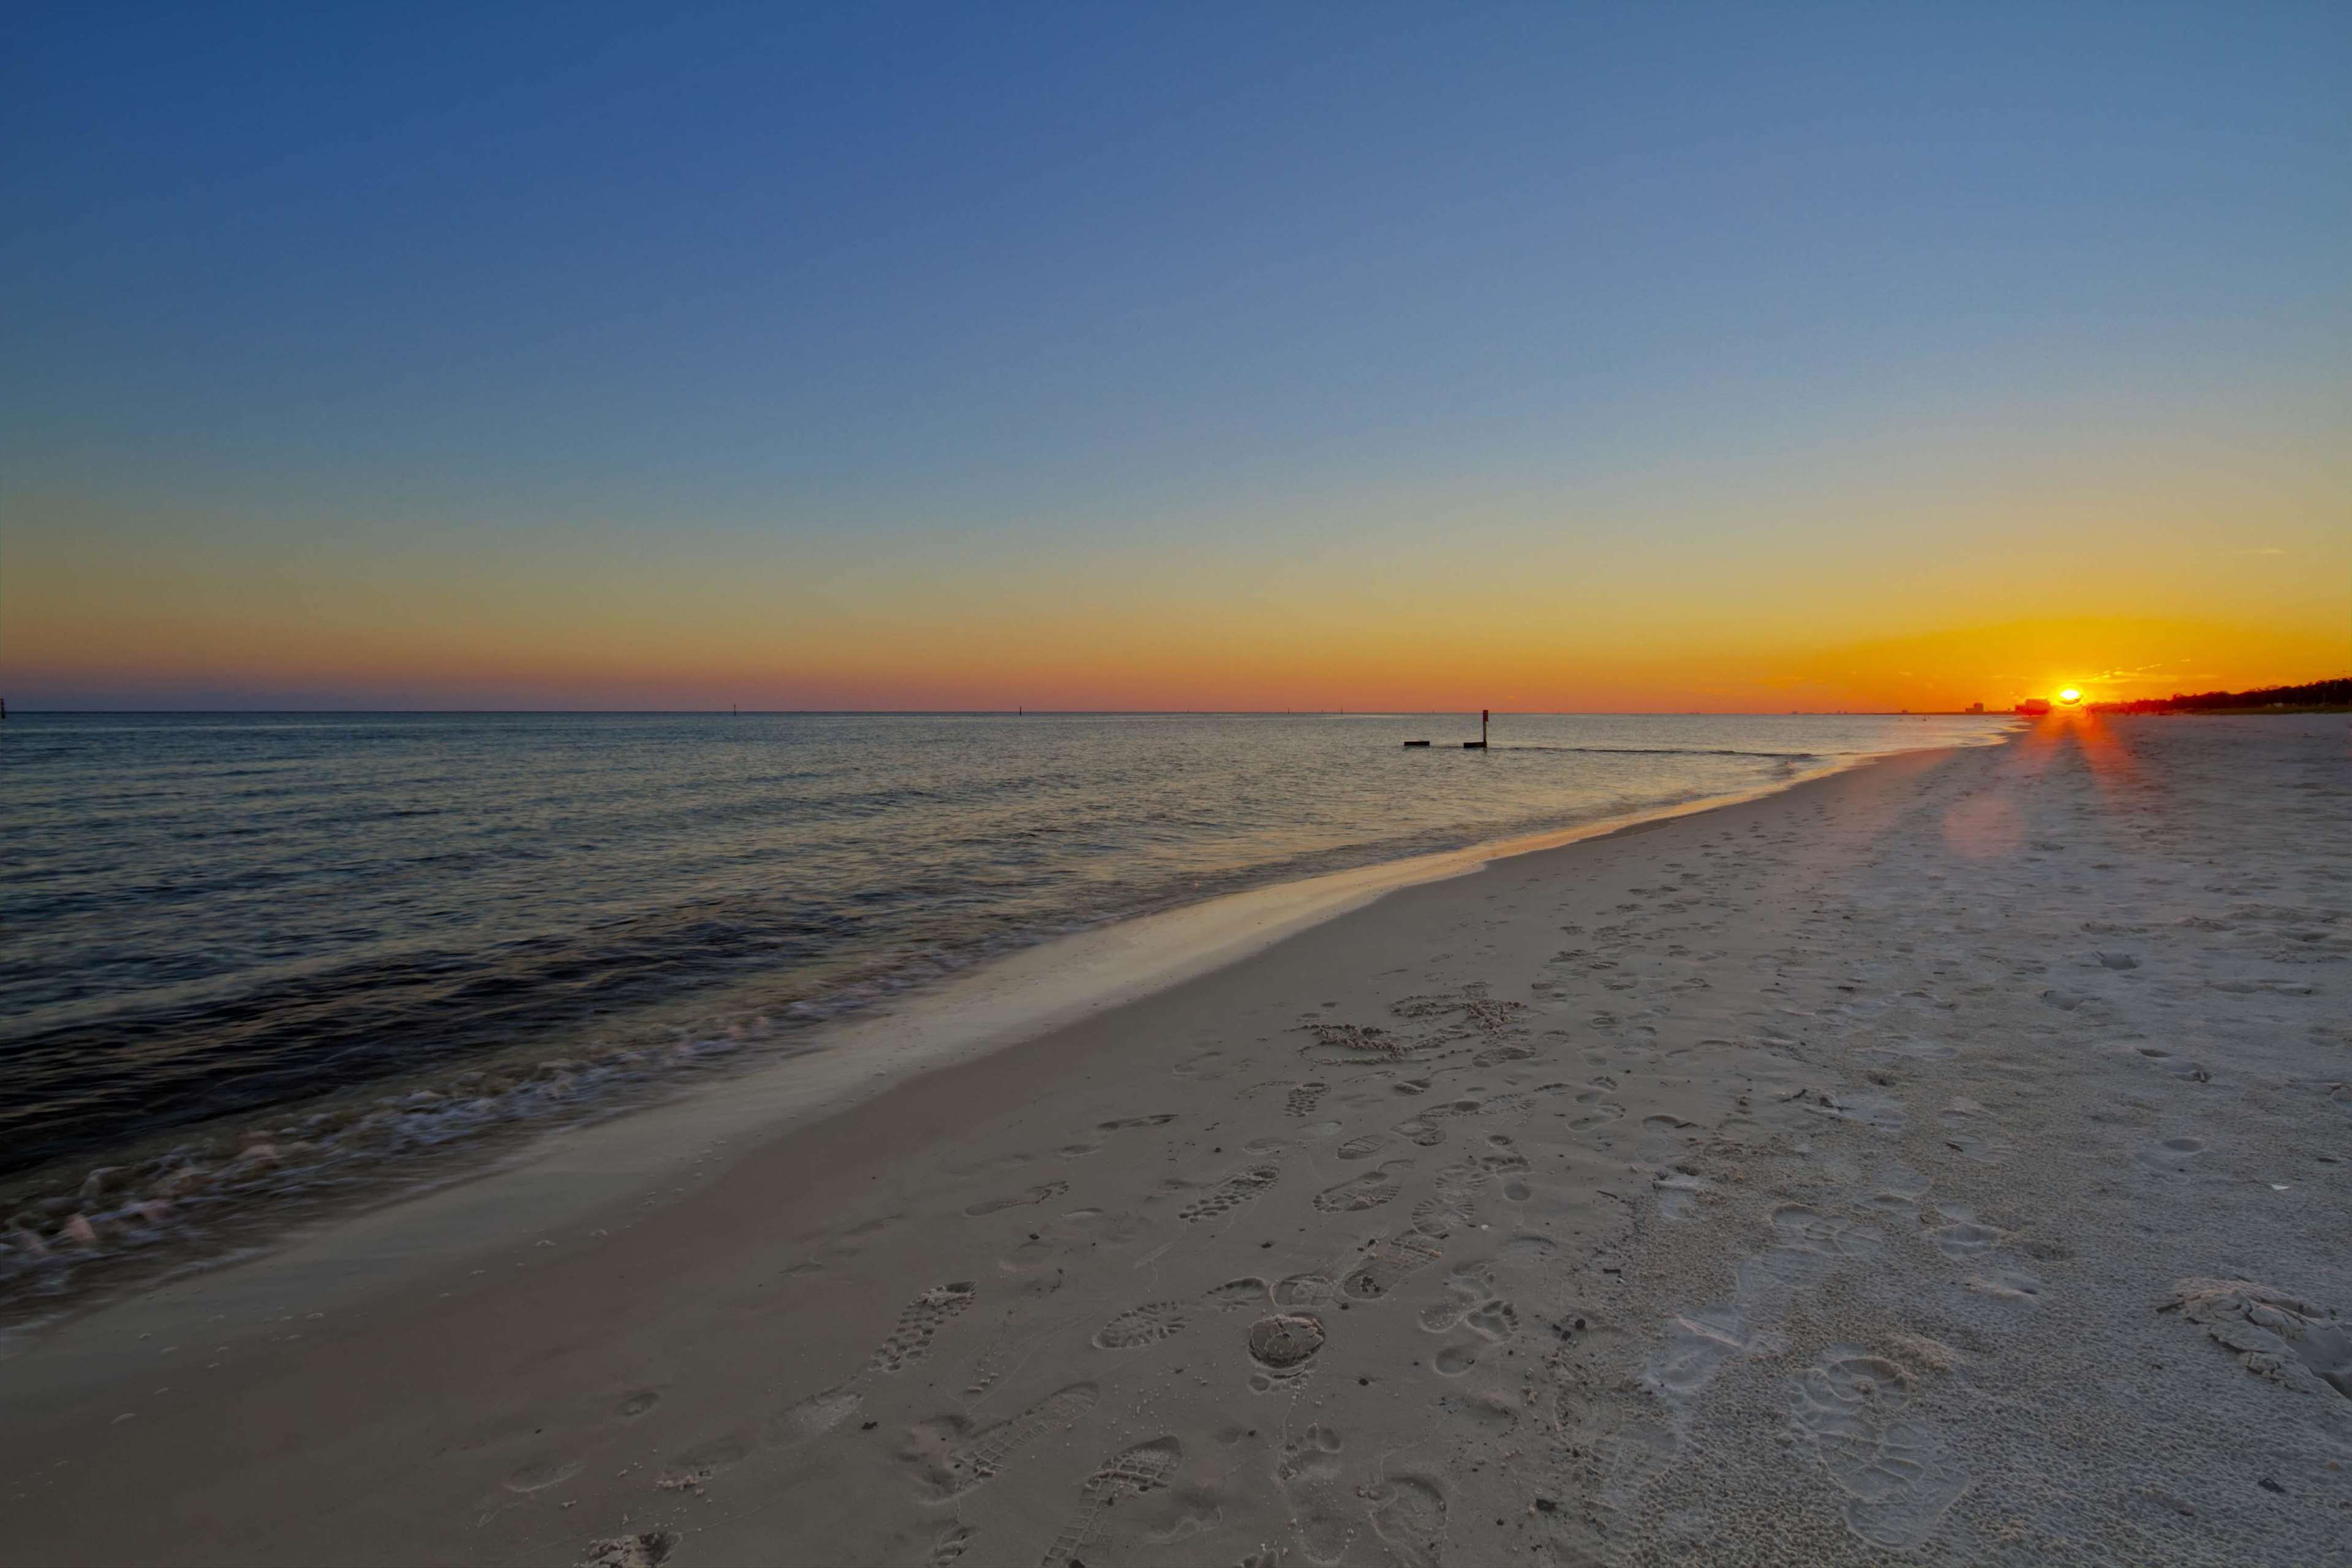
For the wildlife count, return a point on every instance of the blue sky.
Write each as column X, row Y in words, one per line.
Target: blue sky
column 811, row 291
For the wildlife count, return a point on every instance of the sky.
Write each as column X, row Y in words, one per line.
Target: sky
column 1555, row 357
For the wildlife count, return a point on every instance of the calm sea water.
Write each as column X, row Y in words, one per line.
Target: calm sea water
column 379, row 930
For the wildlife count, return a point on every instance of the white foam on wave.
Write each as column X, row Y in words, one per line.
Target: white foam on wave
column 189, row 1194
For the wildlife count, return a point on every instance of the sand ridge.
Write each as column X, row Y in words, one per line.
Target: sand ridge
column 1942, row 1162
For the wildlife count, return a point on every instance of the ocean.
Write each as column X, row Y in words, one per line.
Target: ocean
column 255, row 956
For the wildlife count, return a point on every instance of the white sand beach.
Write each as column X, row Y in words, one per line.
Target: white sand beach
column 1943, row 1162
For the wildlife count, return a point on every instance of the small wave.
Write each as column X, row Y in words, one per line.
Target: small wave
column 195, row 1195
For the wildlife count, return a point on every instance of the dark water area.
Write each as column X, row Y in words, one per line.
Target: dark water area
column 211, row 918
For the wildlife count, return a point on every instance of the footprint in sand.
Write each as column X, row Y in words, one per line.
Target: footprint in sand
column 1698, row 1343
column 1455, row 1206
column 846, row 1246
column 1249, row 1290
column 1370, row 1189
column 650, row 1549
column 1230, row 1193
column 1516, row 1102
column 1422, row 1131
column 950, row 1460
column 1832, row 1235
column 1309, row 1474
column 1811, row 1245
column 1128, row 1124
column 1895, row 1205
column 1853, row 1414
column 1510, row 1165
column 1408, row 1516
column 921, row 1320
column 1360, row 1045
column 1282, row 1343
column 1494, row 1320
column 816, row 1415
column 1678, row 1193
column 1389, row 1262
column 1454, row 1360
column 1597, row 1112
column 1362, row 1147
column 1193, row 1512
column 1130, row 1473
column 1140, row 1326
column 539, row 1478
column 1904, row 1181
column 1528, row 1247
column 1304, row 1290
column 1302, row 1098
column 1963, row 1237
column 1037, row 1195
column 949, row 1545
column 698, row 1465
column 1466, row 1287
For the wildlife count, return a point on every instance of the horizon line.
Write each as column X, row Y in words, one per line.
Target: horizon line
column 1988, row 712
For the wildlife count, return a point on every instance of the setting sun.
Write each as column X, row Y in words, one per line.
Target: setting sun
column 2069, row 697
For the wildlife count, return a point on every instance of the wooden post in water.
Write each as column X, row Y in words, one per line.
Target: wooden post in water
column 1480, row 744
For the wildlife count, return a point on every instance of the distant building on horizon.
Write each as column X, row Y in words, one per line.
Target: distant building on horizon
column 2035, row 707
column 1976, row 708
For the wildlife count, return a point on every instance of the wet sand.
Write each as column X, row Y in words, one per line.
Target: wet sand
column 1942, row 1162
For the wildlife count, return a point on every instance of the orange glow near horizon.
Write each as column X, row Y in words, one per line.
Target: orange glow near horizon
column 988, row 662
column 97, row 616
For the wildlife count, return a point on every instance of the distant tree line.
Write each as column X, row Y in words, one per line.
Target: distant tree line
column 2312, row 694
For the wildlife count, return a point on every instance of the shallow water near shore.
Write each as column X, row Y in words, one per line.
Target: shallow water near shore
column 256, row 952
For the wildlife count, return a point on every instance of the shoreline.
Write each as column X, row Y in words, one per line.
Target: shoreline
column 810, row 1071
column 1595, row 1207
